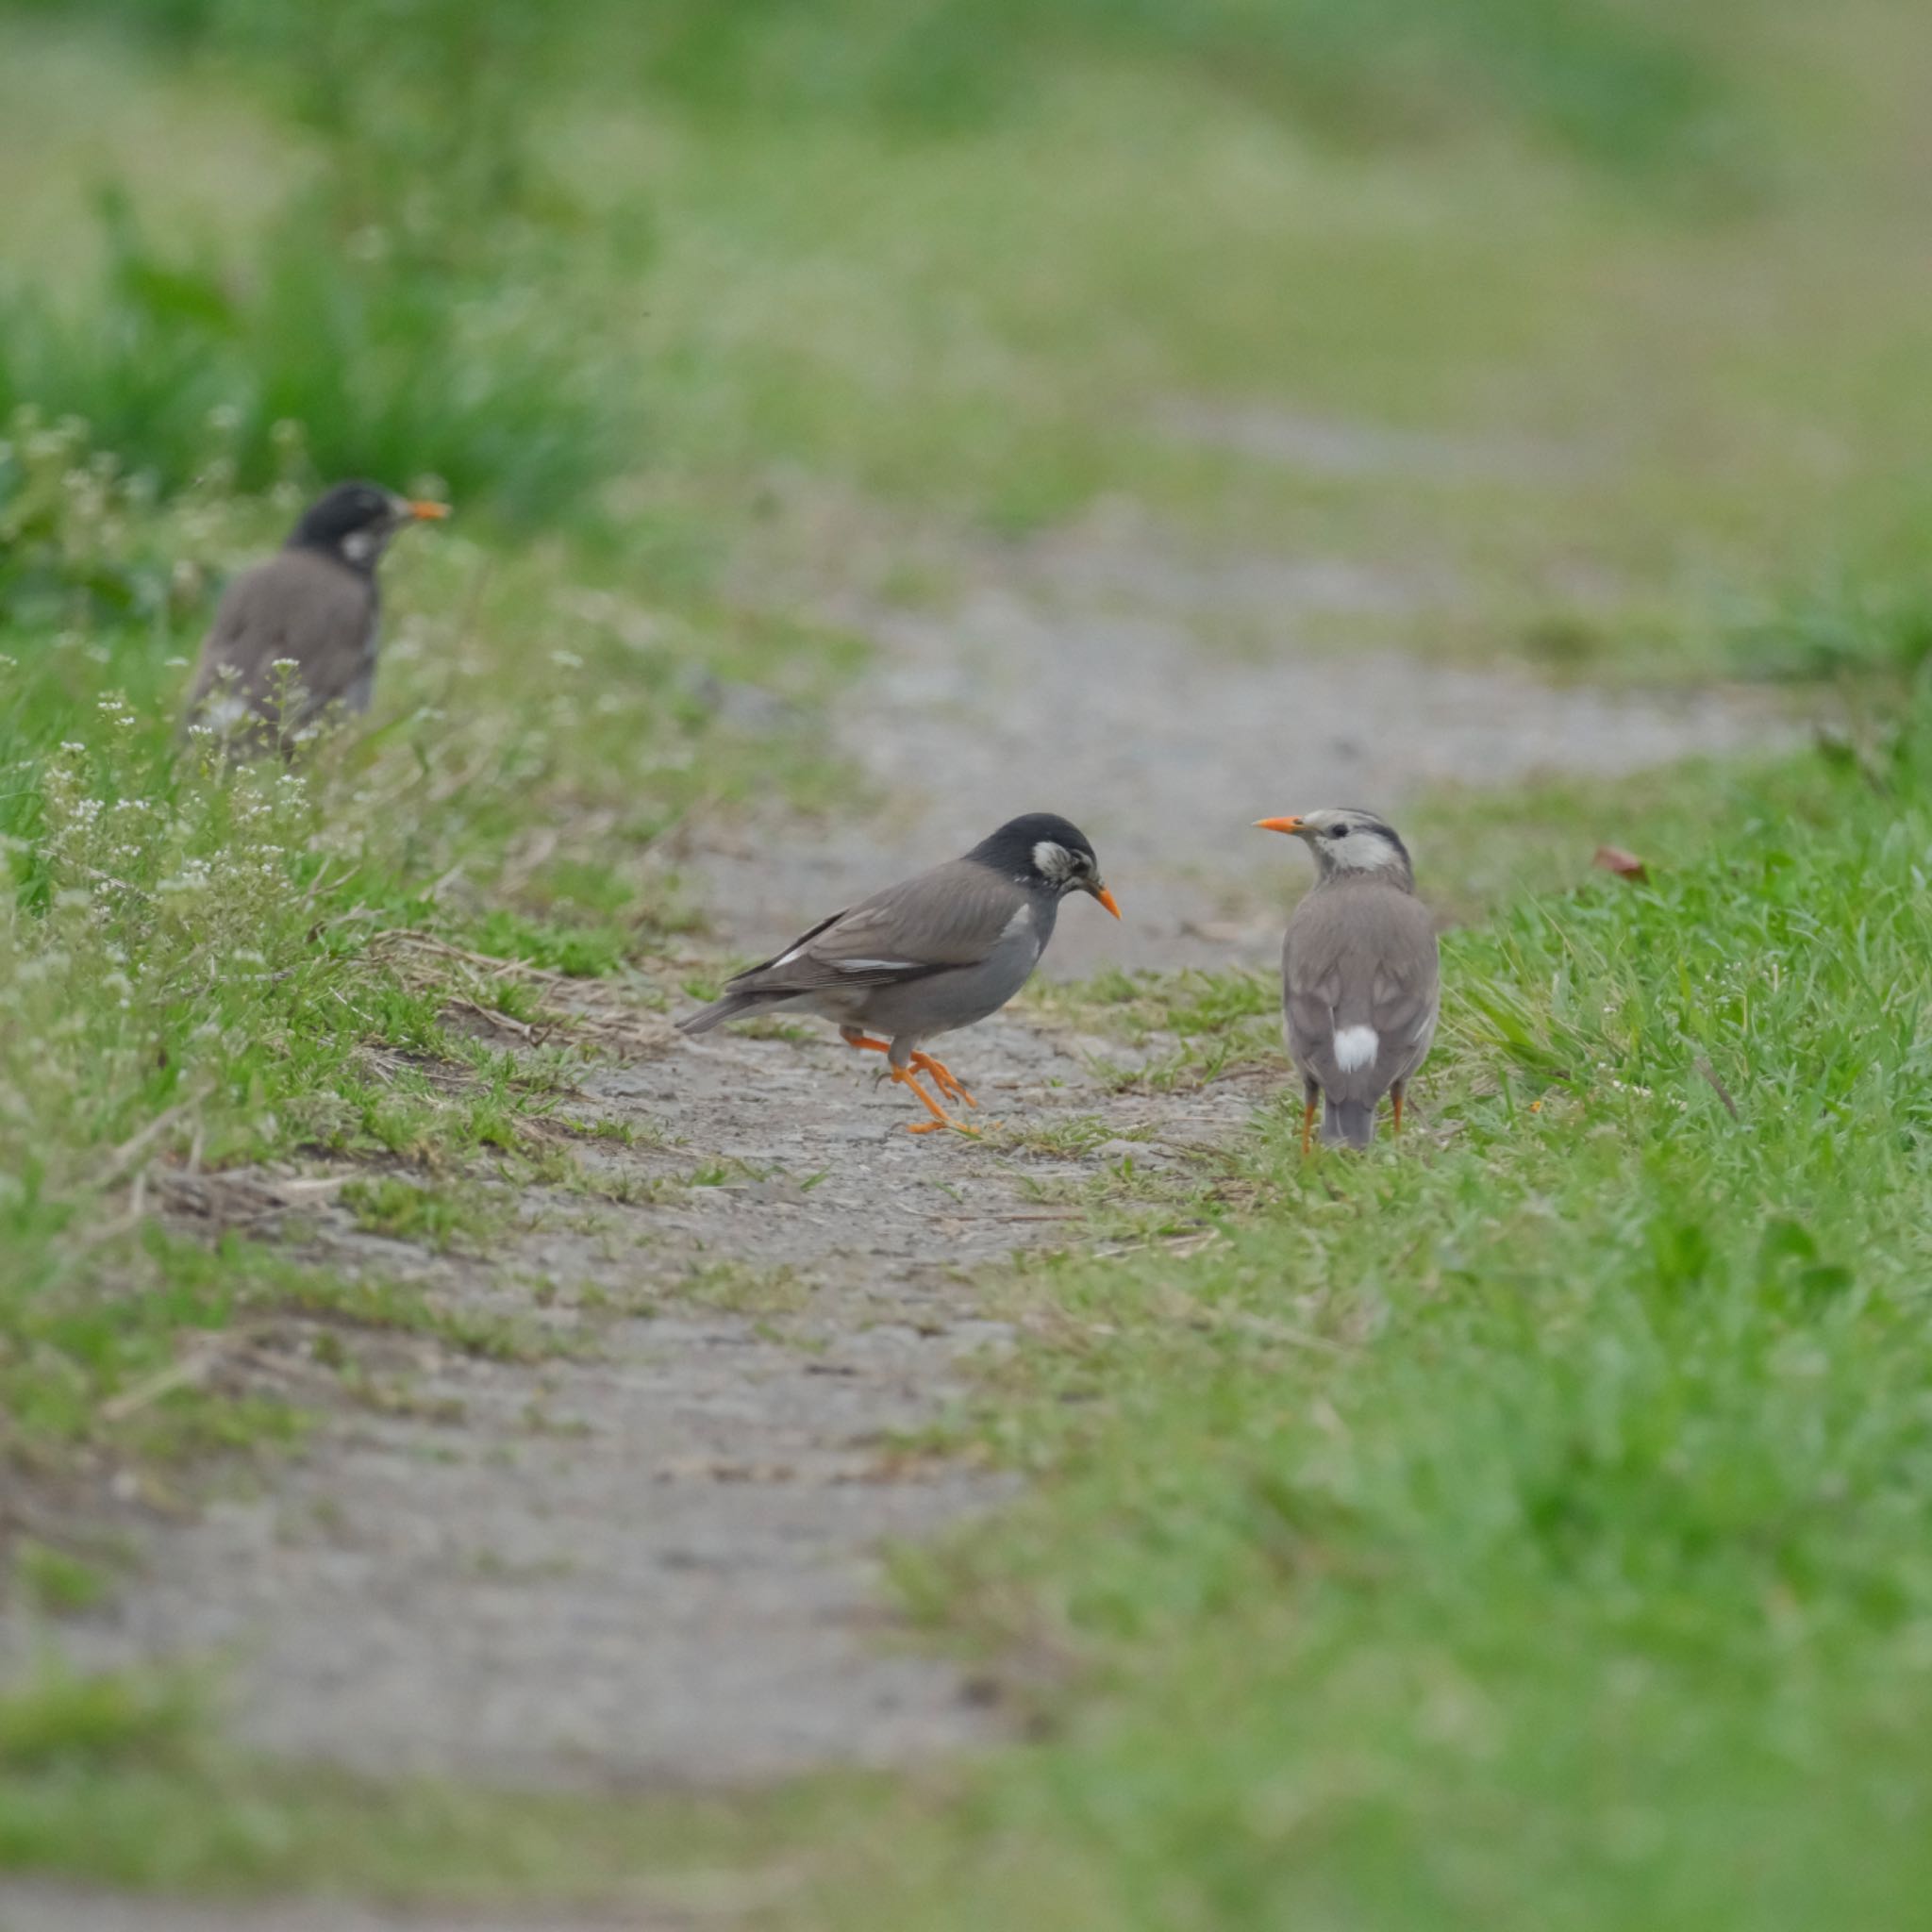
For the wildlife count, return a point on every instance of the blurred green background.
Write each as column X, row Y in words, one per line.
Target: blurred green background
column 665, row 271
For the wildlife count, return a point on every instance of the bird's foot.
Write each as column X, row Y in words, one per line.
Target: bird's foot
column 921, row 1062
column 941, row 1118
column 943, row 1077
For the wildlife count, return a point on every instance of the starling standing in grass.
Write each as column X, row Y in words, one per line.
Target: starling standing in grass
column 298, row 634
column 1359, row 977
column 928, row 956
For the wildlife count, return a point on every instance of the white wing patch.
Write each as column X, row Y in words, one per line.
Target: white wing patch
column 874, row 965
column 1356, row 1046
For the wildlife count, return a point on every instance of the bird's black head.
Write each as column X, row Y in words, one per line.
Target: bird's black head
column 354, row 522
column 1046, row 852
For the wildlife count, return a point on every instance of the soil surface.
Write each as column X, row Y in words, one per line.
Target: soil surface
column 30, row 1907
column 654, row 1557
column 1073, row 677
column 659, row 1562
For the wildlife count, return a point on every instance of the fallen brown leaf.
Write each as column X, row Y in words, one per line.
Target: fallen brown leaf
column 1627, row 865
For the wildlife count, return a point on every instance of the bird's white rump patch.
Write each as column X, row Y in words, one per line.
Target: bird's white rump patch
column 1356, row 1046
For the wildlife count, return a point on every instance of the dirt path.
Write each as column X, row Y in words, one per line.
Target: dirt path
column 1075, row 678
column 658, row 1561
column 33, row 1908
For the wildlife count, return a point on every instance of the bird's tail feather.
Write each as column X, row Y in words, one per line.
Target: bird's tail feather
column 1348, row 1123
column 730, row 1008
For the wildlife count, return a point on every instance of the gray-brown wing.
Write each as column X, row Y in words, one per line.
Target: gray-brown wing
column 296, row 606
column 1360, row 986
column 949, row 917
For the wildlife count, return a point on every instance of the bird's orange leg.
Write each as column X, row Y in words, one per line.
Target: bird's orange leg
column 1308, row 1127
column 943, row 1077
column 941, row 1118
column 922, row 1063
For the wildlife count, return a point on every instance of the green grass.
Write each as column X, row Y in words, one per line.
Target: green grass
column 1520, row 1528
column 200, row 960
column 395, row 314
column 436, row 1217
column 745, row 1288
column 1627, row 86
column 1508, row 1532
column 367, row 367
column 1516, row 1527
column 54, row 1581
column 113, row 1779
column 722, row 291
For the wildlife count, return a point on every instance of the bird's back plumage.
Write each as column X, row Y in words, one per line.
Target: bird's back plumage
column 941, row 929
column 1360, row 988
column 303, row 605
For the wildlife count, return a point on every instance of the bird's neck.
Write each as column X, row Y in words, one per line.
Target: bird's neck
column 1397, row 876
column 363, row 566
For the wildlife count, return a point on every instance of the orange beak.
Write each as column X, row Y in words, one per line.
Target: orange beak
column 1290, row 825
column 1108, row 900
column 425, row 511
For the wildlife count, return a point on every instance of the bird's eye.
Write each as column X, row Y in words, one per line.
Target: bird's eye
column 1338, row 831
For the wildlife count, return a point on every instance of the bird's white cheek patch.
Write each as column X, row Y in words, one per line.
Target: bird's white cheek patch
column 1355, row 1046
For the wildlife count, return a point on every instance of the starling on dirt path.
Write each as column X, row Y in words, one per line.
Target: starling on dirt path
column 929, row 955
